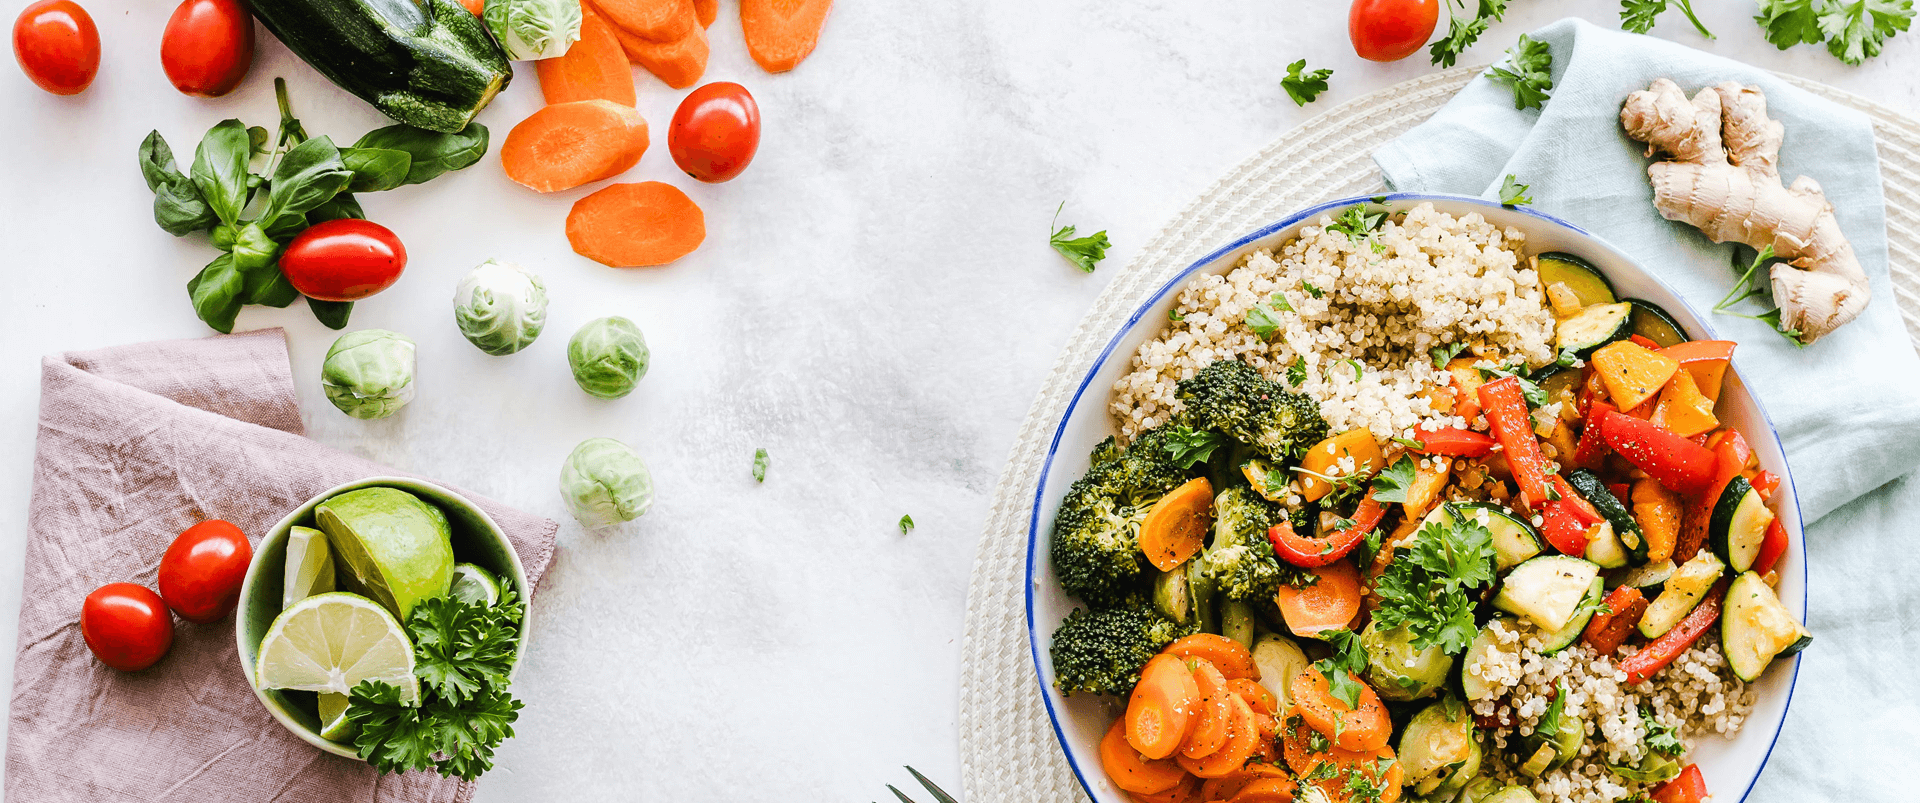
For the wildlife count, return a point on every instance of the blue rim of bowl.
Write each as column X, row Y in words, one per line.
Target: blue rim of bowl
column 1033, row 521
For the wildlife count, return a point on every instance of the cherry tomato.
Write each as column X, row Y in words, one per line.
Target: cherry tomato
column 1390, row 30
column 126, row 626
column 57, row 46
column 207, row 47
column 344, row 260
column 715, row 132
column 201, row 573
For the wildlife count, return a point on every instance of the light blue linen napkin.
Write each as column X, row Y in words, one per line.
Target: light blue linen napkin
column 1847, row 407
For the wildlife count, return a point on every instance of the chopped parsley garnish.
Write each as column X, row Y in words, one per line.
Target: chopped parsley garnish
column 1083, row 251
column 1304, row 87
column 1426, row 590
column 1391, row 484
column 1356, row 223
column 1662, row 739
column 1409, row 443
column 906, row 524
column 1534, row 394
column 1348, row 662
column 1357, row 370
column 1529, row 72
column 1311, row 290
column 1514, row 193
column 1262, row 319
column 1297, row 372
column 1445, row 354
column 759, row 465
column 1189, row 446
column 1550, row 721
column 1176, row 315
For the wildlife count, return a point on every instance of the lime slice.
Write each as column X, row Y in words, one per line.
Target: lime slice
column 398, row 547
column 330, row 642
column 309, row 566
column 334, row 726
column 474, row 584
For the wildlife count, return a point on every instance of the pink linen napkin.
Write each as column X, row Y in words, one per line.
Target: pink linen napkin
column 135, row 444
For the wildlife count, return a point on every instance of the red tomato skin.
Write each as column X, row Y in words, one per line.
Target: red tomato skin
column 201, row 573
column 126, row 626
column 57, row 46
column 715, row 132
column 207, row 47
column 1391, row 30
column 344, row 260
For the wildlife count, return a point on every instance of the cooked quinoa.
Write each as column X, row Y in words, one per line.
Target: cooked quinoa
column 1422, row 280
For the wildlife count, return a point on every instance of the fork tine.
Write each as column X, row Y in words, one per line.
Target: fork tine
column 939, row 794
column 899, row 794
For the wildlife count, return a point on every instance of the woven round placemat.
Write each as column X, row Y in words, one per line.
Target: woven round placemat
column 1008, row 753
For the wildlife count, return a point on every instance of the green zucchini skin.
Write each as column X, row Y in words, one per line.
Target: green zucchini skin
column 1589, row 485
column 426, row 63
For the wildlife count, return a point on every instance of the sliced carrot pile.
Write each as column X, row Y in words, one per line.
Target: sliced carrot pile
column 678, row 62
column 1234, row 784
column 780, row 33
column 1243, row 737
column 1209, row 732
column 569, row 144
column 1176, row 526
column 636, row 225
column 1331, row 602
column 595, row 68
column 1229, row 656
column 652, row 20
column 1160, row 713
column 706, row 11
column 474, row 7
column 1186, row 791
column 1134, row 772
column 1363, row 727
column 1255, row 694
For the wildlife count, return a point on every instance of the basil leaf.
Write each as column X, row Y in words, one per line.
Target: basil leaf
column 256, row 140
column 332, row 314
column 270, row 287
column 342, row 206
column 177, row 205
column 220, row 169
column 433, row 152
column 253, row 249
column 215, row 292
column 376, row 169
column 156, row 161
column 309, row 175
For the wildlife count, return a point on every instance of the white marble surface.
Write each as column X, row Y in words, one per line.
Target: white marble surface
column 875, row 305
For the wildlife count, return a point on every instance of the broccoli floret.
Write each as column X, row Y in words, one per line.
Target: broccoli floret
column 1230, row 397
column 1102, row 651
column 1240, row 557
column 1096, row 536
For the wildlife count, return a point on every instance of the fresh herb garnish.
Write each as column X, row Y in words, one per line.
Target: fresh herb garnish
column 759, row 465
column 1408, row 443
column 1854, row 30
column 1533, row 393
column 1084, row 252
column 1356, row 223
column 1426, row 590
column 1297, row 372
column 1348, row 662
column 1189, row 446
column 1662, row 739
column 1751, row 285
column 1550, row 722
column 1391, row 484
column 1311, row 290
column 906, row 524
column 1357, row 370
column 1344, row 486
column 1463, row 31
column 1514, row 193
column 1176, row 315
column 1261, row 318
column 1304, row 87
column 1444, row 354
column 1638, row 15
column 1529, row 72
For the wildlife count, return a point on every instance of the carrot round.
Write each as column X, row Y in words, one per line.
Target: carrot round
column 1176, row 526
column 1267, row 790
column 1296, row 744
column 1366, row 763
column 1132, row 771
column 780, row 33
column 1229, row 786
column 706, row 11
column 678, row 62
column 1186, row 791
column 594, row 68
column 1215, row 712
column 1161, row 711
column 1361, row 728
column 1256, row 695
column 652, row 20
column 1331, row 602
column 1229, row 656
column 636, row 225
column 569, row 144
column 1243, row 737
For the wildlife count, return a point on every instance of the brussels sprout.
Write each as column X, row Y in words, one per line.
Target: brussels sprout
column 369, row 373
column 533, row 29
column 1397, row 670
column 605, row 483
column 1439, row 748
column 608, row 356
column 500, row 307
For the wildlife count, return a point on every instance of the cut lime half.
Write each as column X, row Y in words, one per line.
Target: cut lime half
column 330, row 642
column 394, row 544
column 474, row 585
column 334, row 726
column 309, row 566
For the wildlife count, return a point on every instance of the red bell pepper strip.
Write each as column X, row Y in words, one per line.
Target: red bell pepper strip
column 1312, row 553
column 1687, row 787
column 1621, row 490
column 1766, row 483
column 1506, row 412
column 1655, row 656
column 1730, row 455
column 1772, row 548
column 1563, row 529
column 1592, row 448
column 1452, row 442
column 1680, row 465
column 1644, row 341
column 1578, row 505
column 1609, row 628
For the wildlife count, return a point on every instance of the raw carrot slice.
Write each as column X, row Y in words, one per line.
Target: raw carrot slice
column 652, row 20
column 1132, row 771
column 569, row 144
column 1256, row 695
column 706, row 11
column 1160, row 713
column 780, row 33
column 636, row 225
column 1229, row 656
column 1215, row 712
column 679, row 62
column 1243, row 737
column 595, row 68
column 1176, row 526
column 1363, row 727
column 1186, row 791
column 1329, row 603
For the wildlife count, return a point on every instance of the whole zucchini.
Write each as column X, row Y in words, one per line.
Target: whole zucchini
column 426, row 63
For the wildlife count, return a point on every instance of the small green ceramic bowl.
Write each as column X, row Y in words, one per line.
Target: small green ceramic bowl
column 476, row 539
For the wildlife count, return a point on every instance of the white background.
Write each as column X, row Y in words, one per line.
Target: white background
column 875, row 305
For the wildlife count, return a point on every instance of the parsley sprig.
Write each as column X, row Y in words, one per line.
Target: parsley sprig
column 1753, row 284
column 1344, row 667
column 1463, row 30
column 1304, row 87
column 1662, row 739
column 1188, row 446
column 1085, row 252
column 1528, row 71
column 1263, row 318
column 1638, row 15
column 1427, row 589
column 1391, row 484
column 1854, row 30
column 1512, row 193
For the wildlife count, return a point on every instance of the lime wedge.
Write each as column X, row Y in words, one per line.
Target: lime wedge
column 399, row 548
column 309, row 566
column 330, row 642
column 334, row 726
column 474, row 584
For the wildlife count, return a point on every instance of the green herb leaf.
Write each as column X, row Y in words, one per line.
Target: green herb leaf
column 1297, row 372
column 1348, row 661
column 1356, row 223
column 1638, row 15
column 1786, row 23
column 376, row 169
column 431, row 153
column 1304, row 87
column 310, row 174
column 1529, row 72
column 1408, row 443
column 1357, row 370
column 1176, row 315
column 340, row 207
column 1533, row 393
column 220, row 169
column 215, row 292
column 177, row 205
column 1462, row 32
column 759, row 465
column 1445, row 354
column 1391, row 484
column 331, row 314
column 1311, row 290
column 1261, row 318
column 1856, row 29
column 1085, row 252
column 1189, row 446
column 1429, row 589
column 1662, row 739
column 906, row 524
column 462, row 649
column 1513, row 193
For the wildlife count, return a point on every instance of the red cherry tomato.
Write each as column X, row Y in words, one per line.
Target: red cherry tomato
column 126, row 626
column 1390, row 30
column 715, row 132
column 344, row 260
column 57, row 46
column 207, row 47
column 201, row 573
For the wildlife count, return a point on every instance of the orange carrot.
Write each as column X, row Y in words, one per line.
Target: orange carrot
column 1176, row 526
column 474, row 7
column 1229, row 656
column 1160, row 713
column 1243, row 737
column 1226, row 787
column 1215, row 712
column 652, row 20
column 1132, row 771
column 1329, row 603
column 1366, row 763
column 569, row 144
column 1363, row 727
column 1266, row 790
column 636, row 225
column 1186, row 791
column 678, row 62
column 1296, row 742
column 1255, row 694
column 594, row 68
column 706, row 11
column 780, row 33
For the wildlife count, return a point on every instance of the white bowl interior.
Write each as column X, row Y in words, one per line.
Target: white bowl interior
column 1080, row 721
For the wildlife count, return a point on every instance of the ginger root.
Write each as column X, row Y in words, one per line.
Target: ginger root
column 1722, row 179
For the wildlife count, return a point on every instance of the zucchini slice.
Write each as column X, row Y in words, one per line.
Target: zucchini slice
column 1583, row 279
column 1514, row 540
column 1755, row 627
column 1589, row 485
column 1437, row 745
column 1561, row 384
column 1739, row 524
column 1688, row 585
column 1594, row 327
column 1472, row 687
column 1547, row 590
column 1653, row 323
column 1566, row 636
column 1648, row 578
column 1604, row 547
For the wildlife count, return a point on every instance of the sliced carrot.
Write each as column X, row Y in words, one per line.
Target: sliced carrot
column 1329, row 603
column 474, row 7
column 1258, row 696
column 1296, row 742
column 1186, row 791
column 1160, row 713
column 636, row 225
column 1266, row 790
column 678, row 62
column 1362, row 727
column 1243, row 738
column 706, row 11
column 1132, row 771
column 652, row 20
column 1176, row 526
column 1341, row 786
column 1215, row 712
column 1229, row 656
column 594, row 68
column 569, row 144
column 780, row 33
column 1231, row 784
column 1659, row 514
